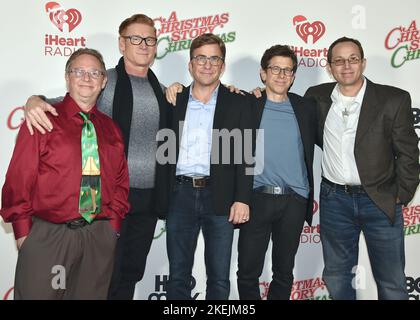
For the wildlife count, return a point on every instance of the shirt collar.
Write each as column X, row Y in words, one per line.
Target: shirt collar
column 208, row 105
column 359, row 97
column 71, row 108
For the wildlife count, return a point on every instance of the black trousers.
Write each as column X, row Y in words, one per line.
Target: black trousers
column 134, row 244
column 280, row 217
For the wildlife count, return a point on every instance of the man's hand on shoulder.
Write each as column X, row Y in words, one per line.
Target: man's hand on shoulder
column 257, row 92
column 35, row 114
column 172, row 91
column 234, row 89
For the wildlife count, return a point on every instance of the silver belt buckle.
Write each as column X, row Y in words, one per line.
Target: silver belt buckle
column 196, row 182
column 277, row 190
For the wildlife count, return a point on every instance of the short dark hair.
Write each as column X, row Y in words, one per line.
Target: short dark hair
column 88, row 51
column 207, row 38
column 278, row 50
column 344, row 39
column 136, row 18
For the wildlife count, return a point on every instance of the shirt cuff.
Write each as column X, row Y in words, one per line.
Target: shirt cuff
column 22, row 227
column 115, row 224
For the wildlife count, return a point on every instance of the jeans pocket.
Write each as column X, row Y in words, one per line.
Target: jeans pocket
column 325, row 190
column 28, row 239
column 399, row 218
column 300, row 198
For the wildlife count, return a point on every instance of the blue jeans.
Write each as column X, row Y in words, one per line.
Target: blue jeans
column 190, row 211
column 342, row 217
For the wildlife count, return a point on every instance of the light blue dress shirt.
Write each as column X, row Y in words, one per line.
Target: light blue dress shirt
column 196, row 140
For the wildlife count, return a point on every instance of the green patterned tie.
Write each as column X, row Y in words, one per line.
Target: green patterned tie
column 90, row 188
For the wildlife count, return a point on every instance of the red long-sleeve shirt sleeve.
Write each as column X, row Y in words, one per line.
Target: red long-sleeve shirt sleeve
column 20, row 180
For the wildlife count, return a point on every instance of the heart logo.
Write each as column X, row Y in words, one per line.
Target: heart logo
column 304, row 29
column 63, row 19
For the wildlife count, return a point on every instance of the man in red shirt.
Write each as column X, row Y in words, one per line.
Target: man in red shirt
column 66, row 193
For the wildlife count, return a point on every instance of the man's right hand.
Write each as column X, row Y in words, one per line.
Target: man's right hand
column 20, row 241
column 35, row 109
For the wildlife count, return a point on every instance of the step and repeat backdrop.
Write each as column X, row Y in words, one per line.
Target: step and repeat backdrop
column 35, row 45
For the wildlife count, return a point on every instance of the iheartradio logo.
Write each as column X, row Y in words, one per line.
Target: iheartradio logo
column 64, row 20
column 304, row 28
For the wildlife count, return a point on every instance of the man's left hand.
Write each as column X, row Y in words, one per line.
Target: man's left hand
column 239, row 213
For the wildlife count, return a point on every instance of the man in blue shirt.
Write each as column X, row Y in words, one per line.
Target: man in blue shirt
column 283, row 181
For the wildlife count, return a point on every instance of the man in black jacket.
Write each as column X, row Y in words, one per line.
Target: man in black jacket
column 283, row 182
column 369, row 169
column 208, row 183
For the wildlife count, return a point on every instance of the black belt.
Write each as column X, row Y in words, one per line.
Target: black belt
column 81, row 222
column 274, row 190
column 197, row 182
column 346, row 188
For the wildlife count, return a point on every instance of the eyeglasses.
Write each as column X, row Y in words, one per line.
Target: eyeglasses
column 277, row 70
column 342, row 61
column 137, row 40
column 214, row 60
column 80, row 73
